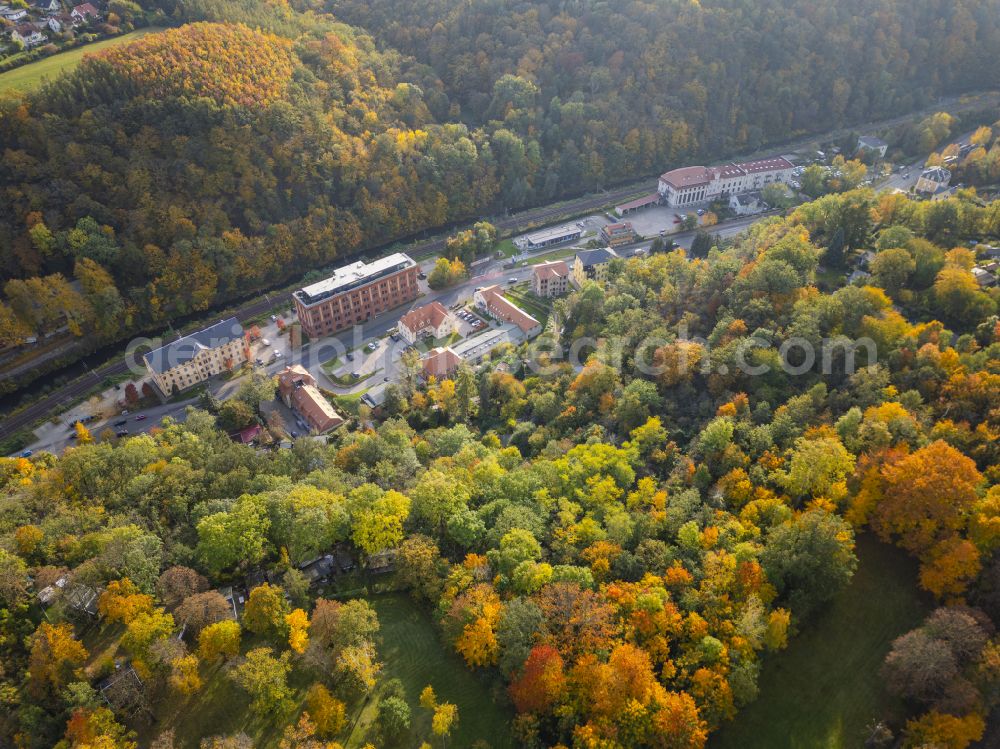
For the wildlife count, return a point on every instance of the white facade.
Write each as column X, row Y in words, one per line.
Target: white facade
column 697, row 184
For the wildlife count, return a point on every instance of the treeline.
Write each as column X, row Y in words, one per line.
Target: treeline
column 621, row 546
column 601, row 92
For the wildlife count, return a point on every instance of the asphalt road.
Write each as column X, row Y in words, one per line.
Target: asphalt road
column 72, row 391
column 523, row 221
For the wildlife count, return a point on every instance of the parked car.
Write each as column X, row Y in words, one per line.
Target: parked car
column 140, row 417
column 274, row 318
column 372, row 346
column 259, row 362
column 27, row 454
column 701, row 211
column 511, row 280
column 264, row 342
column 122, row 433
column 295, row 434
column 277, row 354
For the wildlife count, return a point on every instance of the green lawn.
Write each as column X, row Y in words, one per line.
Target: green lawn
column 824, row 690
column 31, row 75
column 506, row 246
column 412, row 652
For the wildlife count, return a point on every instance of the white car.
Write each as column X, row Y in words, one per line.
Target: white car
column 264, row 342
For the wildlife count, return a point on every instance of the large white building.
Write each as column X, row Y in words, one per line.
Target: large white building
column 697, row 184
column 198, row 356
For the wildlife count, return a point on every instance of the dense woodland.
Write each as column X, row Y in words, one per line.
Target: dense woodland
column 186, row 170
column 621, row 549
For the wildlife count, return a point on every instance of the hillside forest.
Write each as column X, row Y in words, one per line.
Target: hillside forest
column 258, row 141
column 619, row 550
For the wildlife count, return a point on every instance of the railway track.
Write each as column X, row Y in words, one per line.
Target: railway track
column 70, row 392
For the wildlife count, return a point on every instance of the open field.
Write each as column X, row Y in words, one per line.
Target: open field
column 31, row 75
column 824, row 690
column 414, row 654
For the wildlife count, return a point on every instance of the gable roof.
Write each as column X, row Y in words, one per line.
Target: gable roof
column 499, row 306
column 441, row 362
column 429, row 315
column 870, row 141
column 185, row 349
column 85, row 9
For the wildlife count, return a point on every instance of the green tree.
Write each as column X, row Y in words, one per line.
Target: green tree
column 809, row 559
column 265, row 678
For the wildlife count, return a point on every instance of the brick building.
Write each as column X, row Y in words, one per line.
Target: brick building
column 356, row 293
column 298, row 391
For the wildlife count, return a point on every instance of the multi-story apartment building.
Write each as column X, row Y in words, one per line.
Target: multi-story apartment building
column 592, row 265
column 697, row 184
column 356, row 293
column 198, row 356
column 432, row 319
column 618, row 234
column 550, row 279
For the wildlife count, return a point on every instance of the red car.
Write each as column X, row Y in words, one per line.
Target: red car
column 140, row 417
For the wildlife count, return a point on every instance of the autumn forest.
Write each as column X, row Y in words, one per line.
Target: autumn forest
column 529, row 553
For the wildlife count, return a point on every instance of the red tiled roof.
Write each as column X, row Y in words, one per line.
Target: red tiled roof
column 430, row 315
column 687, row 176
column 315, row 408
column 765, row 165
column 441, row 362
column 500, row 306
column 639, row 202
column 85, row 9
column 551, row 269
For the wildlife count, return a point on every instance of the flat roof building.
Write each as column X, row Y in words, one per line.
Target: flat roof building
column 356, row 293
column 555, row 235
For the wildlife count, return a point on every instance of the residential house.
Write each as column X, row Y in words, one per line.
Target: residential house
column 432, row 320
column 298, row 391
column 984, row 277
column 28, row 35
column 869, row 144
column 747, row 204
column 933, row 180
column 618, row 234
column 13, row 15
column 440, row 363
column 592, row 265
column 492, row 301
column 49, row 7
column 550, row 279
column 84, row 13
column 198, row 356
column 60, row 22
